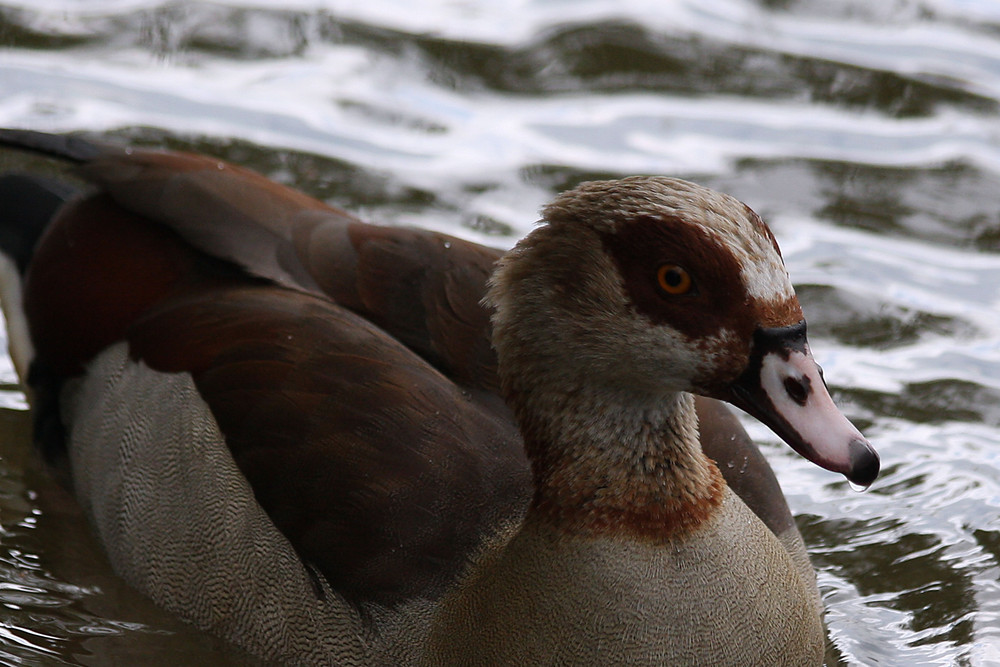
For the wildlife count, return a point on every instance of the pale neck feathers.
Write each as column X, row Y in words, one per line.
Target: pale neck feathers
column 608, row 467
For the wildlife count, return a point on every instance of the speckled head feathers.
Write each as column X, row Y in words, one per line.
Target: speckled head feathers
column 606, row 206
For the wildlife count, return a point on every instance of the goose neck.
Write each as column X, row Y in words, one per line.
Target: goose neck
column 603, row 465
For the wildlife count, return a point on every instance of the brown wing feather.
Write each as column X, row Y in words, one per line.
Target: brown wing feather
column 426, row 290
column 378, row 469
column 226, row 211
column 423, row 287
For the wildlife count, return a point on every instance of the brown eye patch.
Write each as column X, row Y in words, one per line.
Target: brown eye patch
column 650, row 250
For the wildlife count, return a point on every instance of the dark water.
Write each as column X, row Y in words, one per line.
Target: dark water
column 866, row 133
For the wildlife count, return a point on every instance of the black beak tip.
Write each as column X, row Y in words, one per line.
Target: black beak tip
column 865, row 463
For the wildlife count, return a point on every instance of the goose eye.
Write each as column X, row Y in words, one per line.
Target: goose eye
column 673, row 279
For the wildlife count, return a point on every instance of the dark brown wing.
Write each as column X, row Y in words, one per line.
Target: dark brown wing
column 422, row 287
column 379, row 470
column 425, row 289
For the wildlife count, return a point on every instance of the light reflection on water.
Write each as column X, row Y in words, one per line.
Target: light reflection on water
column 866, row 133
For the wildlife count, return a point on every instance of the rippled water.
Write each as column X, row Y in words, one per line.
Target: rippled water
column 866, row 133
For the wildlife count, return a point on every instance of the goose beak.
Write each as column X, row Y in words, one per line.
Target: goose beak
column 783, row 387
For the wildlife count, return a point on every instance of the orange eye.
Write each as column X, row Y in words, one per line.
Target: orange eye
column 673, row 279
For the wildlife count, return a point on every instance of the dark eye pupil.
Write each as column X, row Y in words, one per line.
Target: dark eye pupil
column 673, row 277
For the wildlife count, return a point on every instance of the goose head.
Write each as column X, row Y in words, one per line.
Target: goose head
column 636, row 291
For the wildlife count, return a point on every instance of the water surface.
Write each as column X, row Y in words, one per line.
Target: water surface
column 865, row 133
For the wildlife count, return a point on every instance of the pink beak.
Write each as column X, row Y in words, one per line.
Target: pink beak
column 783, row 387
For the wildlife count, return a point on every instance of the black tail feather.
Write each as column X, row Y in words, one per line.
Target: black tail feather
column 49, row 430
column 27, row 204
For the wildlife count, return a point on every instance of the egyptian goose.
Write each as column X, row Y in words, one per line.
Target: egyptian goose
column 286, row 425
